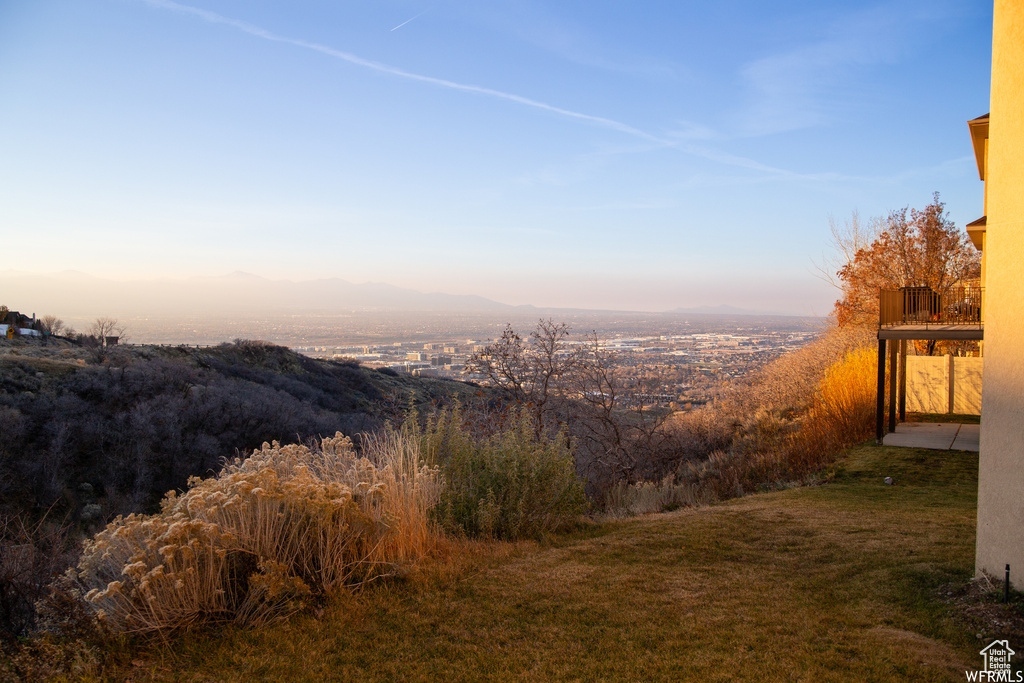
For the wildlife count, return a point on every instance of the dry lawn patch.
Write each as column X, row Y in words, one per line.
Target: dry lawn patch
column 833, row 583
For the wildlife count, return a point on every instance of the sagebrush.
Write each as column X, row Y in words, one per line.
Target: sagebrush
column 509, row 484
column 262, row 536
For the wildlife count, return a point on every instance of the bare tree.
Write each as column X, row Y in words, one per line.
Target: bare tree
column 530, row 372
column 104, row 327
column 552, row 362
column 605, row 408
column 601, row 434
column 51, row 324
column 847, row 238
column 618, row 426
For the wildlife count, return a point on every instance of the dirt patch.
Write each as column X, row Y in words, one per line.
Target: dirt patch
column 978, row 605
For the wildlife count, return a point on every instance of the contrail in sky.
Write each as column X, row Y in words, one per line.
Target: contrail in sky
column 215, row 18
column 408, row 20
column 253, row 30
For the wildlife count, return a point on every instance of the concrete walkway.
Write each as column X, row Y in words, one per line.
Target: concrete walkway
column 939, row 436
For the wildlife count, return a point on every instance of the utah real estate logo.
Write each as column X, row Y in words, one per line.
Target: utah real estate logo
column 997, row 657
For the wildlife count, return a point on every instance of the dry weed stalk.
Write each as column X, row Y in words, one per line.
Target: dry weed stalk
column 269, row 530
column 646, row 497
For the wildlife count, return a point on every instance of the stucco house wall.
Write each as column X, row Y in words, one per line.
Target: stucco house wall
column 1001, row 474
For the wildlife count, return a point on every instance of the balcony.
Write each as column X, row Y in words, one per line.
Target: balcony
column 922, row 313
column 919, row 313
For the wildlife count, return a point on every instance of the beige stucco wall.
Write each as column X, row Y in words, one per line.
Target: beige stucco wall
column 1001, row 475
column 928, row 386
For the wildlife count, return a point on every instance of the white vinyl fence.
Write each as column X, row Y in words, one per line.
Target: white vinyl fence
column 944, row 384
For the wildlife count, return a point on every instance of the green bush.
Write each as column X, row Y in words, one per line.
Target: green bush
column 509, row 484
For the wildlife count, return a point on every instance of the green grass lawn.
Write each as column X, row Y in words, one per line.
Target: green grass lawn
column 839, row 582
column 958, row 418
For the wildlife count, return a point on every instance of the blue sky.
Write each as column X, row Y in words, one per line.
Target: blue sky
column 594, row 154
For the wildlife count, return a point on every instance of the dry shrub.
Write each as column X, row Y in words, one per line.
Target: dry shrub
column 67, row 645
column 46, row 632
column 722, row 474
column 791, row 383
column 784, row 427
column 47, row 658
column 414, row 492
column 645, row 497
column 32, row 554
column 703, row 431
column 254, row 542
column 771, row 454
column 842, row 413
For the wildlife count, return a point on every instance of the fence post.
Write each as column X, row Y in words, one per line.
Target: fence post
column 951, row 373
column 903, row 380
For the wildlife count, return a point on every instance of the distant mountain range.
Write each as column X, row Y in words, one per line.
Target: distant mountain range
column 717, row 310
column 73, row 293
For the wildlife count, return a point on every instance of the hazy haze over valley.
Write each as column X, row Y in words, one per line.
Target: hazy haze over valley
column 329, row 312
column 564, row 155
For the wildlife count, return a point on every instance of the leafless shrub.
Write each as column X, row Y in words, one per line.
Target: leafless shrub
column 618, row 436
column 32, row 555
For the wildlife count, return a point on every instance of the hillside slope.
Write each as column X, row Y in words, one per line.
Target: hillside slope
column 93, row 434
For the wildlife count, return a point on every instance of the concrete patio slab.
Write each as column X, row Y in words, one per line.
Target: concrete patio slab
column 968, row 439
column 942, row 436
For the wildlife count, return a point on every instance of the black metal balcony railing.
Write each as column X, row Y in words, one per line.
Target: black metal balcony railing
column 924, row 306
